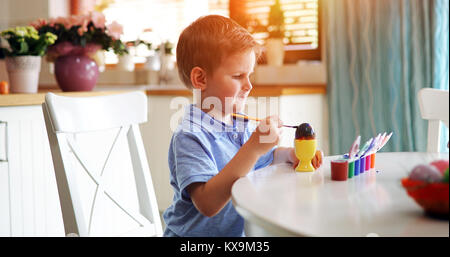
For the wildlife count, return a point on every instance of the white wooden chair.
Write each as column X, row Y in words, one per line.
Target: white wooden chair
column 433, row 104
column 104, row 182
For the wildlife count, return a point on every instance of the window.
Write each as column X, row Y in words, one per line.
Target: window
column 302, row 24
column 162, row 19
column 167, row 18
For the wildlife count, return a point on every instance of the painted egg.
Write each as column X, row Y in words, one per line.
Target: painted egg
column 426, row 173
column 441, row 165
column 304, row 131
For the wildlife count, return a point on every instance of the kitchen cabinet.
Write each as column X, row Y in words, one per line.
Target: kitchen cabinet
column 29, row 202
column 4, row 182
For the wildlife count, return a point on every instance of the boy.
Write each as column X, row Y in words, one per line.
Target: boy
column 210, row 150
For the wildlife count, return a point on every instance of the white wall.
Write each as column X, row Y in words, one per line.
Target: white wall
column 4, row 14
column 22, row 12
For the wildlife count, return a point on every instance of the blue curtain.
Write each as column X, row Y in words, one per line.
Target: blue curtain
column 379, row 54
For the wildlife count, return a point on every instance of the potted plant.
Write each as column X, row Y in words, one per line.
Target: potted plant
column 23, row 48
column 126, row 61
column 78, row 51
column 275, row 28
column 166, row 59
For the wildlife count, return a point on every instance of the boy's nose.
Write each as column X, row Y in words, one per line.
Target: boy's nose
column 247, row 85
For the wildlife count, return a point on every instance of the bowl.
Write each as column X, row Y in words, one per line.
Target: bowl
column 432, row 197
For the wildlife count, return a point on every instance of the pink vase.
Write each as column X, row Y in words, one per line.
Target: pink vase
column 76, row 73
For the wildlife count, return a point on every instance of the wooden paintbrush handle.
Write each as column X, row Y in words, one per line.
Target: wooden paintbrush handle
column 255, row 119
column 245, row 117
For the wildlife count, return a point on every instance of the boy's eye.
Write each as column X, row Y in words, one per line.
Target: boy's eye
column 240, row 76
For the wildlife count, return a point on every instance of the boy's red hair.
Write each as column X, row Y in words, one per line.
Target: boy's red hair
column 207, row 40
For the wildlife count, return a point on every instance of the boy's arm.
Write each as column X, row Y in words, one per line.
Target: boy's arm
column 211, row 196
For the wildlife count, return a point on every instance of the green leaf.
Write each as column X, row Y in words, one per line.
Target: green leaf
column 23, row 48
column 83, row 41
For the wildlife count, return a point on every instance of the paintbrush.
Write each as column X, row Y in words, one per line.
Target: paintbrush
column 245, row 117
column 385, row 140
column 365, row 147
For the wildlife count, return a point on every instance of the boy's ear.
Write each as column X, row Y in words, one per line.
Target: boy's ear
column 198, row 78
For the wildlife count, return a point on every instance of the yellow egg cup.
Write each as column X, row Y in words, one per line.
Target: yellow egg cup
column 305, row 151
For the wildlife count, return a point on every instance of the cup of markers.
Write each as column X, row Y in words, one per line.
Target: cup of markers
column 358, row 161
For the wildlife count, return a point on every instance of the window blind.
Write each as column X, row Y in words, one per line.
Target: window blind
column 301, row 20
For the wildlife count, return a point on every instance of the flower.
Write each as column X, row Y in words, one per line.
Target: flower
column 39, row 23
column 98, row 19
column 26, row 40
column 82, row 34
column 114, row 30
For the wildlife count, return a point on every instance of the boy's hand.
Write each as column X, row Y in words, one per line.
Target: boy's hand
column 316, row 161
column 266, row 136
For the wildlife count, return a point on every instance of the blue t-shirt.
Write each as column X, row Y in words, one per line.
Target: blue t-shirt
column 200, row 148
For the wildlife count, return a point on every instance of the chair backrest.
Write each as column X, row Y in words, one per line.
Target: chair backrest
column 104, row 182
column 433, row 104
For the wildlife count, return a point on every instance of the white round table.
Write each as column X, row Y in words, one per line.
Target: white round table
column 287, row 203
